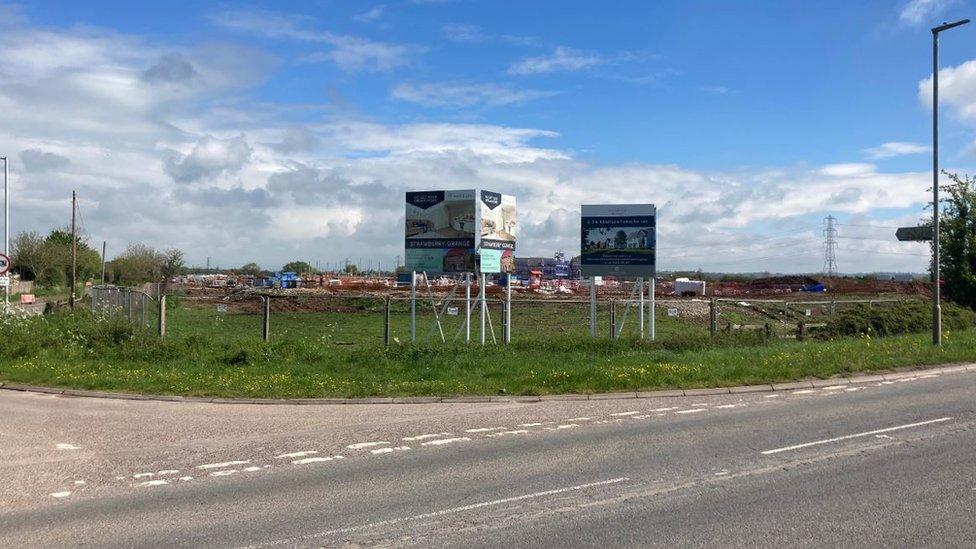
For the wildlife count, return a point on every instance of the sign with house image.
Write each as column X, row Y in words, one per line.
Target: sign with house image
column 440, row 231
column 498, row 229
column 618, row 240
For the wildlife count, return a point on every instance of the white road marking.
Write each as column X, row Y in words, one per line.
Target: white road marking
column 224, row 464
column 223, row 473
column 443, row 441
column 143, row 475
column 803, row 392
column 152, row 483
column 390, row 450
column 580, row 419
column 60, row 494
column 691, row 411
column 723, row 472
column 168, row 472
column 504, row 433
column 846, row 437
column 530, row 424
column 442, row 512
column 625, row 413
column 852, row 389
column 558, row 427
column 484, row 429
column 62, row 446
column 888, row 382
column 771, row 396
column 640, row 417
column 705, row 404
column 665, row 409
column 360, row 445
column 80, row 482
column 726, row 406
column 296, row 454
column 833, row 387
column 315, row 460
column 186, row 478
column 424, row 437
column 251, row 469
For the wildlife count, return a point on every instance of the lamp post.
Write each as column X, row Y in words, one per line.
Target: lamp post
column 936, row 274
column 6, row 233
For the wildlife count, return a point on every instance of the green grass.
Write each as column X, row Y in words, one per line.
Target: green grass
column 221, row 358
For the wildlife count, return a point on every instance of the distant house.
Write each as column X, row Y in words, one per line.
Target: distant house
column 641, row 238
column 458, row 260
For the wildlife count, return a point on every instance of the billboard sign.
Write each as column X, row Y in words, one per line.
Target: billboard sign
column 618, row 240
column 498, row 230
column 440, row 231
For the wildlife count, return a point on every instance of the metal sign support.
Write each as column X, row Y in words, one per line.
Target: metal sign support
column 484, row 306
column 467, row 307
column 640, row 307
column 651, row 300
column 593, row 306
column 507, row 334
column 413, row 306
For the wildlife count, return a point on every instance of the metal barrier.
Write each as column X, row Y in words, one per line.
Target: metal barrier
column 135, row 305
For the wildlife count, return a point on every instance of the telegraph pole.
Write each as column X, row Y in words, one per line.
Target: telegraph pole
column 6, row 233
column 103, row 262
column 74, row 249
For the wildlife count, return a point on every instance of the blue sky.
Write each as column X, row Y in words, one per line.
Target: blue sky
column 276, row 126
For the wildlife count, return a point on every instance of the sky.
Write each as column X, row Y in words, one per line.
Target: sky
column 274, row 131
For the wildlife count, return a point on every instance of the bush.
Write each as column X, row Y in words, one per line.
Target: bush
column 906, row 317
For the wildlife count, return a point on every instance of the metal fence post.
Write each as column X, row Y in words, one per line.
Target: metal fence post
column 386, row 322
column 713, row 317
column 613, row 319
column 593, row 306
column 640, row 308
column 413, row 306
column 162, row 316
column 266, row 323
column 650, row 295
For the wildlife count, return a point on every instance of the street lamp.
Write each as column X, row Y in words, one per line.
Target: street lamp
column 6, row 234
column 937, row 291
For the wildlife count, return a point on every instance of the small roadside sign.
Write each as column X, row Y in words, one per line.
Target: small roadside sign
column 453, row 311
column 221, row 307
column 672, row 312
column 4, row 264
column 914, row 234
column 4, row 281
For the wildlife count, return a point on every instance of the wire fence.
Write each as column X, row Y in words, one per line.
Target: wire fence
column 453, row 316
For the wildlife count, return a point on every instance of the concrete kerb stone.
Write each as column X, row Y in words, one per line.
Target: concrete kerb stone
column 751, row 389
column 793, row 385
column 816, row 383
column 708, row 392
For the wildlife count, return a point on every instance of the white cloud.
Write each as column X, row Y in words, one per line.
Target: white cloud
column 957, row 89
column 371, row 15
column 350, row 53
column 916, row 12
column 561, row 59
column 464, row 94
column 210, row 157
column 895, row 148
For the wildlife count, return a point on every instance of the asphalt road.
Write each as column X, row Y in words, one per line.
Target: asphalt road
column 873, row 464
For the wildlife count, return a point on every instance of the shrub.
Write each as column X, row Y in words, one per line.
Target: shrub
column 902, row 318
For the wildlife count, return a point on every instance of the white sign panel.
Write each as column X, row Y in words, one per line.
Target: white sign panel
column 618, row 240
column 4, row 281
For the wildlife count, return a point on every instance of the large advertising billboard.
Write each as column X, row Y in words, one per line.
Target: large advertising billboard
column 498, row 230
column 441, row 231
column 618, row 240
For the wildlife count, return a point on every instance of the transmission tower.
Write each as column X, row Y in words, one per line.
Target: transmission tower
column 830, row 246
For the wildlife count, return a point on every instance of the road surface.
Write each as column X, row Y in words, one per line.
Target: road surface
column 884, row 463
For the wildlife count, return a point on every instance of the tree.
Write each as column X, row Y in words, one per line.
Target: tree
column 620, row 240
column 137, row 264
column 957, row 238
column 250, row 269
column 32, row 255
column 172, row 264
column 300, row 267
column 351, row 269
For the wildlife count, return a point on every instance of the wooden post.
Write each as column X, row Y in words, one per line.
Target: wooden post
column 801, row 331
column 386, row 322
column 266, row 321
column 713, row 317
column 74, row 253
column 162, row 316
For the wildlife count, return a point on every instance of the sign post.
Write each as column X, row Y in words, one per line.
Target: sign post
column 5, row 281
column 922, row 233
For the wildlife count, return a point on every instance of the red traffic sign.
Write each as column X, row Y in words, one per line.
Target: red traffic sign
column 4, row 264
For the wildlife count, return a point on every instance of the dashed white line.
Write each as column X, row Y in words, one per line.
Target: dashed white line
column 168, row 472
column 847, row 437
column 505, row 433
column 441, row 442
column 691, row 411
column 424, row 437
column 360, row 445
column 143, row 475
column 803, row 392
column 223, row 473
column 724, row 406
column 618, row 414
column 153, row 483
column 771, row 396
column 296, row 454
column 390, row 450
column 315, row 460
column 60, row 494
column 63, row 446
column 530, row 424
column 251, row 469
column 484, row 429
column 222, row 465
column 665, row 409
column 580, row 419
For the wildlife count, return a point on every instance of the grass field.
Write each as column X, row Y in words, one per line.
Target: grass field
column 221, row 354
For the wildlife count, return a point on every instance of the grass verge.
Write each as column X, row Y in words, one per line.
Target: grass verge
column 86, row 351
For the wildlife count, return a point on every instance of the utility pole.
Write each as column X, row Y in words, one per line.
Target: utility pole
column 103, row 262
column 830, row 247
column 74, row 249
column 936, row 274
column 6, row 233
